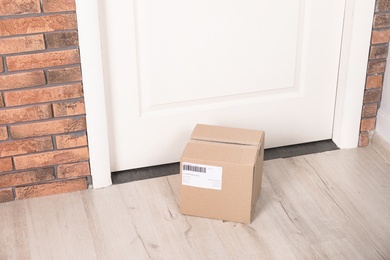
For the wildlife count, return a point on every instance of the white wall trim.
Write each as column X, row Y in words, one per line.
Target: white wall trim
column 383, row 125
column 94, row 93
column 382, row 146
column 352, row 72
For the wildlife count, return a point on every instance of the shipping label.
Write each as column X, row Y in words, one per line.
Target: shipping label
column 202, row 176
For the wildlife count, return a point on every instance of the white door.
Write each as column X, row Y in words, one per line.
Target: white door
column 257, row 64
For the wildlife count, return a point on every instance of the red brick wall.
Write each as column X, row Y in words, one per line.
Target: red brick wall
column 43, row 143
column 375, row 69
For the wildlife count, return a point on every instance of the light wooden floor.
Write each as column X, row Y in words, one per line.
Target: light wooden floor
column 334, row 205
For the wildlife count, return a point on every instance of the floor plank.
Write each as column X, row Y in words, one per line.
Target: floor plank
column 332, row 205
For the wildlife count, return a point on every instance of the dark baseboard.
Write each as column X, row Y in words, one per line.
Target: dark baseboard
column 269, row 154
column 299, row 149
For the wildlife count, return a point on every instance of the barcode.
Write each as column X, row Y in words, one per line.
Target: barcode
column 192, row 168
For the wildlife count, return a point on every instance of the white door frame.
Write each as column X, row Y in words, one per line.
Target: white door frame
column 349, row 98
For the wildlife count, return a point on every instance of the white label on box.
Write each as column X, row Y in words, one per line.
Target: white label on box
column 202, row 176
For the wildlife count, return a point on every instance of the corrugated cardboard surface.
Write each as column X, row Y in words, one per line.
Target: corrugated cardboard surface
column 227, row 134
column 220, row 152
column 240, row 153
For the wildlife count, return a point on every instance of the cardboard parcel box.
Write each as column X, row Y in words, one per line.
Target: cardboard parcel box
column 221, row 171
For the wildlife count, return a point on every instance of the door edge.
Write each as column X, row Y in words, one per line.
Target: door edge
column 355, row 45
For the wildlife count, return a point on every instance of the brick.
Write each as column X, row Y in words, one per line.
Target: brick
column 1, row 64
column 73, row 170
column 370, row 110
column 19, row 147
column 381, row 36
column 31, row 96
column 63, row 75
column 376, row 66
column 364, row 139
column 58, row 5
column 9, row 116
column 379, row 51
column 61, row 39
column 381, row 20
column 6, row 195
column 27, row 177
column 51, row 188
column 48, row 127
column 374, row 81
column 69, row 108
column 71, row 140
column 22, row 80
column 382, row 6
column 38, row 24
column 51, row 158
column 6, row 164
column 43, row 60
column 367, row 124
column 3, row 133
column 22, row 44
column 371, row 96
column 13, row 7
column 1, row 101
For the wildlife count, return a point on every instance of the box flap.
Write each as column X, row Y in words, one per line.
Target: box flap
column 226, row 135
column 219, row 153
